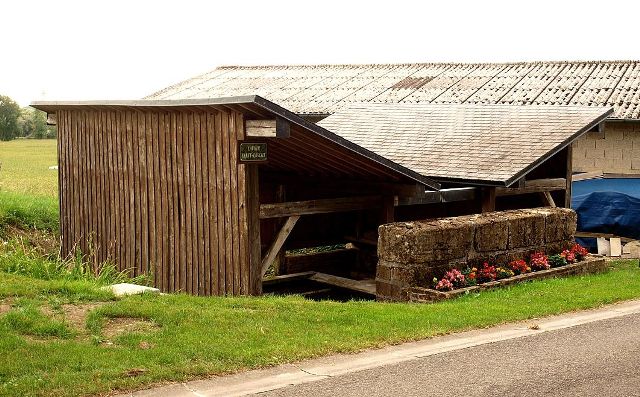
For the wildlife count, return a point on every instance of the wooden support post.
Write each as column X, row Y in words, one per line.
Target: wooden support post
column 567, row 192
column 278, row 242
column 253, row 224
column 388, row 209
column 488, row 199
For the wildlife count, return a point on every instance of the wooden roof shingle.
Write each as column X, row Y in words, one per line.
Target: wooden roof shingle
column 483, row 144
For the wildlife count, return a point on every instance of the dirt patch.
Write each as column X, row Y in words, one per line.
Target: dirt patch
column 117, row 326
column 5, row 305
column 76, row 315
column 44, row 242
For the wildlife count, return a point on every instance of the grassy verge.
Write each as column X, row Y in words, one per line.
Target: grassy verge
column 178, row 337
column 24, row 167
column 28, row 212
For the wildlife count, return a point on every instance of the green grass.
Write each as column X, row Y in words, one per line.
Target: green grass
column 199, row 336
column 24, row 167
column 28, row 212
column 45, row 352
column 28, row 188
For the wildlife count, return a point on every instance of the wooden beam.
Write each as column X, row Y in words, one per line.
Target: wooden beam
column 291, row 208
column 285, row 278
column 260, row 128
column 253, row 224
column 278, row 128
column 364, row 286
column 488, row 199
column 441, row 196
column 352, row 186
column 567, row 192
column 283, row 128
column 277, row 244
column 548, row 199
column 534, row 186
column 587, row 175
column 51, row 119
column 388, row 209
column 603, row 235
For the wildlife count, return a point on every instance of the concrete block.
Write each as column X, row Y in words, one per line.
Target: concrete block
column 595, row 153
column 124, row 289
column 603, row 246
column 603, row 144
column 616, row 246
column 613, row 153
column 594, row 135
column 614, row 134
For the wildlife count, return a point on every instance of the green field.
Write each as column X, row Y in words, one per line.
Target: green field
column 24, row 167
column 62, row 335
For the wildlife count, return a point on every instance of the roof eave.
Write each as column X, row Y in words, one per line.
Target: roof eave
column 558, row 148
column 52, row 106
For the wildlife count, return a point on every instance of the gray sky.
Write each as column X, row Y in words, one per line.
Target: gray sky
column 126, row 49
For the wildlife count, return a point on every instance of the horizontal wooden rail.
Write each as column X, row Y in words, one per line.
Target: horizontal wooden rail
column 364, row 286
column 534, row 186
column 297, row 208
column 603, row 235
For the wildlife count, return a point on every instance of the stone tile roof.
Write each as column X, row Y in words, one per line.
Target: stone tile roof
column 325, row 89
column 485, row 144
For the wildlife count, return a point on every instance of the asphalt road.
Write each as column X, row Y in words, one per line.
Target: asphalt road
column 596, row 359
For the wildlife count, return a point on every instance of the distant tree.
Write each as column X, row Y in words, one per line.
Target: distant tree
column 32, row 123
column 9, row 113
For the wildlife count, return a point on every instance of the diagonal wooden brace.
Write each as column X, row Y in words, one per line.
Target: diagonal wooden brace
column 278, row 242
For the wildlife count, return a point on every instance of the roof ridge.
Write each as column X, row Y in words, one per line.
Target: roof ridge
column 318, row 65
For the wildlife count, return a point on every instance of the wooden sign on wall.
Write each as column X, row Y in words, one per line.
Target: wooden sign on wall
column 252, row 152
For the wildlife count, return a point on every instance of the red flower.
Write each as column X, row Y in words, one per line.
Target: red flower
column 486, row 273
column 539, row 261
column 519, row 266
column 569, row 256
column 579, row 251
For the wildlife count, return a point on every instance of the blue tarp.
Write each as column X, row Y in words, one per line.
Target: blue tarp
column 607, row 206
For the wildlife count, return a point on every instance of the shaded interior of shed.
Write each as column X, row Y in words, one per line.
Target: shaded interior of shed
column 158, row 187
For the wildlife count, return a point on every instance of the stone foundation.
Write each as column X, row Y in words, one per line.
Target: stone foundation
column 411, row 254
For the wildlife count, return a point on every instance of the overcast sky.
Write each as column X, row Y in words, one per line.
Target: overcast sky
column 63, row 50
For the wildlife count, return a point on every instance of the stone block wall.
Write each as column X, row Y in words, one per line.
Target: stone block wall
column 413, row 253
column 616, row 150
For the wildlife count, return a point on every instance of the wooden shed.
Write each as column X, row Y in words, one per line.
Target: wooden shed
column 207, row 195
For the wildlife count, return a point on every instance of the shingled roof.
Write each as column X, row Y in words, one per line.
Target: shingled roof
column 481, row 144
column 325, row 89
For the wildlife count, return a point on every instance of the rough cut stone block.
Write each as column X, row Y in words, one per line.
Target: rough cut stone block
column 420, row 242
column 402, row 275
column 383, row 270
column 387, row 291
column 492, row 233
column 526, row 230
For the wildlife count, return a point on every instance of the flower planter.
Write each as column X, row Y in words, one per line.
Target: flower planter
column 589, row 265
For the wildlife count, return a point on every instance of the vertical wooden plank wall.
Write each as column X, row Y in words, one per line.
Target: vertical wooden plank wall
column 161, row 193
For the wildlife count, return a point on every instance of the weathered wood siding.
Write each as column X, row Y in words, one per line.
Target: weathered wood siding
column 160, row 192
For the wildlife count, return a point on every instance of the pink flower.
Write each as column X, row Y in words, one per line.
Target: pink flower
column 539, row 261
